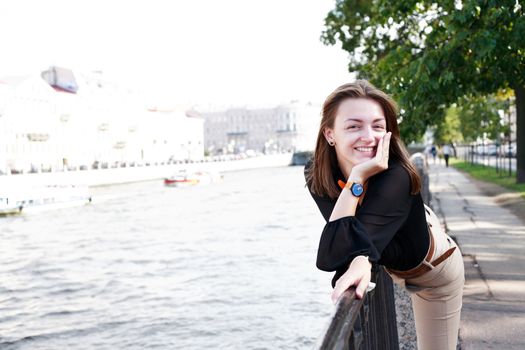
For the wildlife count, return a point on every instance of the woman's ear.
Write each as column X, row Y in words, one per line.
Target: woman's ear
column 328, row 134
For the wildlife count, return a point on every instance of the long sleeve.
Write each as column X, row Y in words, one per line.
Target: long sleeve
column 341, row 241
column 385, row 208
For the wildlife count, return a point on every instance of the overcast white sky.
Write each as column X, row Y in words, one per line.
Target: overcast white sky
column 219, row 52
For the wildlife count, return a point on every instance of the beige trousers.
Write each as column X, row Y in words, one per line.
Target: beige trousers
column 437, row 294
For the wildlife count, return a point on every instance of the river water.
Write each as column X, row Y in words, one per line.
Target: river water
column 230, row 265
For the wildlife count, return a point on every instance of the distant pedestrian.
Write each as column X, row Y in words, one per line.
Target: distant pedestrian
column 368, row 191
column 446, row 153
column 434, row 152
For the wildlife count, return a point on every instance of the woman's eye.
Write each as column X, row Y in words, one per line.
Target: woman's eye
column 350, row 127
column 379, row 127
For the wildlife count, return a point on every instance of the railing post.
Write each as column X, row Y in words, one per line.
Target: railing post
column 422, row 167
column 387, row 338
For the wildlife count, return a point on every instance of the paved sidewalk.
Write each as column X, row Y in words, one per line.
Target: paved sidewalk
column 492, row 240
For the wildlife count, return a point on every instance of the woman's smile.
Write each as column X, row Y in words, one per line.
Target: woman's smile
column 367, row 150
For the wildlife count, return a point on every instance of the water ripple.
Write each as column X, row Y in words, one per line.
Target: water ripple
column 149, row 267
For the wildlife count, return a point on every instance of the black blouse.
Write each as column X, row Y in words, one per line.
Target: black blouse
column 389, row 226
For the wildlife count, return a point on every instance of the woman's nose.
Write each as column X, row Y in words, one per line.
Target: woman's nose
column 368, row 134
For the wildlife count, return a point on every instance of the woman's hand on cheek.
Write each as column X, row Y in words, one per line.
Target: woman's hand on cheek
column 363, row 171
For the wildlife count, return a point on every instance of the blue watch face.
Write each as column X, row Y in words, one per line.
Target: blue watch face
column 357, row 190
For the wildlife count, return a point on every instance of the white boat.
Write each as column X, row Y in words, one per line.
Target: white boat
column 43, row 198
column 8, row 207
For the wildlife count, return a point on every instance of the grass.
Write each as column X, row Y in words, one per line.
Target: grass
column 489, row 174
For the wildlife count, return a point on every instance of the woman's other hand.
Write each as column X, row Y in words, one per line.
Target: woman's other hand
column 363, row 171
column 358, row 274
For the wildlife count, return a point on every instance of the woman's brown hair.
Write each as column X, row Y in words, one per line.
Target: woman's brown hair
column 319, row 176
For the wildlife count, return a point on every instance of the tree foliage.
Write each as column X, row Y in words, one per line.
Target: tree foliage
column 479, row 117
column 427, row 54
column 430, row 54
column 473, row 117
column 448, row 131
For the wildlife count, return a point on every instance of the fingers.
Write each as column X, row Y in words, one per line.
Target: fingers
column 379, row 150
column 361, row 287
column 341, row 286
column 383, row 147
column 358, row 274
column 386, row 145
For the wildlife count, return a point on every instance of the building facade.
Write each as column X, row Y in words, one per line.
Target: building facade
column 57, row 120
column 284, row 128
column 27, row 123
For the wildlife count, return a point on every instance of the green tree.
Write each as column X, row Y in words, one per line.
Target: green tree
column 449, row 130
column 431, row 54
column 479, row 116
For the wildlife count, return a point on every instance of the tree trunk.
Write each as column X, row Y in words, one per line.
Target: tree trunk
column 519, row 92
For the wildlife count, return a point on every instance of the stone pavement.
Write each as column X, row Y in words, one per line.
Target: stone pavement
column 492, row 240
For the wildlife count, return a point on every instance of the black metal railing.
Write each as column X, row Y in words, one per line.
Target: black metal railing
column 367, row 323
column 500, row 156
column 420, row 162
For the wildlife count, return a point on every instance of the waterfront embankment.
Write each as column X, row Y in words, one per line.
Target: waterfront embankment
column 100, row 177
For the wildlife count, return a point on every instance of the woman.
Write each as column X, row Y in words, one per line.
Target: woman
column 368, row 192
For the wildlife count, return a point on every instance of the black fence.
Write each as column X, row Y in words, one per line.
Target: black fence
column 501, row 156
column 367, row 323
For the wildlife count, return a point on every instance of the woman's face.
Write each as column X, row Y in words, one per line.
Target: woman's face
column 359, row 125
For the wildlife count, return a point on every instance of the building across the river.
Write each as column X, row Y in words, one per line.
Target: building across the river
column 284, row 128
column 60, row 119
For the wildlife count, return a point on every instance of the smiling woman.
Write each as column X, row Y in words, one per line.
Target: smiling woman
column 368, row 192
column 358, row 127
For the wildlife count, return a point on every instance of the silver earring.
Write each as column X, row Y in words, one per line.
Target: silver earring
column 331, row 143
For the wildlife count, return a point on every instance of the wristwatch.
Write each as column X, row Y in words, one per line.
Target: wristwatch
column 355, row 188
